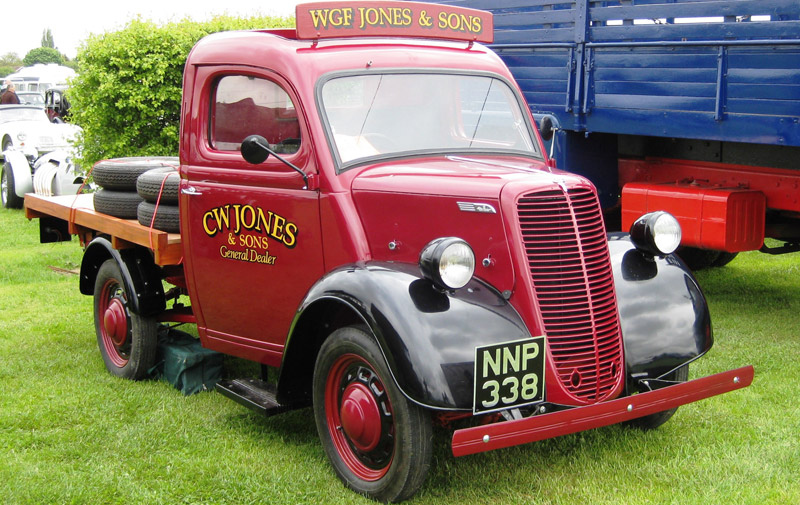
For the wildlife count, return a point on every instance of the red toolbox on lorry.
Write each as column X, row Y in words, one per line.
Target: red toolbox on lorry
column 711, row 218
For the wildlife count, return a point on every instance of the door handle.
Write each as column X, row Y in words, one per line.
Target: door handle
column 190, row 190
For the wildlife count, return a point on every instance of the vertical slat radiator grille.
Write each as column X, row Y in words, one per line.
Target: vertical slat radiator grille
column 567, row 253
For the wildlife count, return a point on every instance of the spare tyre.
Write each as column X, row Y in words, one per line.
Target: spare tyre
column 164, row 180
column 167, row 217
column 120, row 174
column 121, row 204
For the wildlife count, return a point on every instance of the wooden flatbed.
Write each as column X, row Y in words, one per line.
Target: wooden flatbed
column 78, row 211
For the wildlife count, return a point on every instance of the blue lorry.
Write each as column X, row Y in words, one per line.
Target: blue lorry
column 690, row 106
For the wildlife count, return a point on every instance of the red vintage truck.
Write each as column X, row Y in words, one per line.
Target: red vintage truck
column 367, row 210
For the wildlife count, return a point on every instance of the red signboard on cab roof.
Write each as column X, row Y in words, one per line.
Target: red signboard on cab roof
column 392, row 19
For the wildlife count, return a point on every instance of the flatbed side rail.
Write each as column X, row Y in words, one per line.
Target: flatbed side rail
column 78, row 211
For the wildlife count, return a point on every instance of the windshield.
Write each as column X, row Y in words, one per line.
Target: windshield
column 31, row 98
column 23, row 114
column 397, row 114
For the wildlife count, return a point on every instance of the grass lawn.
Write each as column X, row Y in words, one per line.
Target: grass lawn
column 72, row 433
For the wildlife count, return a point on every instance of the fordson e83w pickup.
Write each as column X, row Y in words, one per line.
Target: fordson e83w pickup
column 366, row 209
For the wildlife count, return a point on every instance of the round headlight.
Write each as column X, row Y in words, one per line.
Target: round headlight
column 22, row 136
column 448, row 262
column 656, row 233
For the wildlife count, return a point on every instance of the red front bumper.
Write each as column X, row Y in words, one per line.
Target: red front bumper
column 531, row 429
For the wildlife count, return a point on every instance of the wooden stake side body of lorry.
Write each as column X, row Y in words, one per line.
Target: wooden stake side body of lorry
column 398, row 246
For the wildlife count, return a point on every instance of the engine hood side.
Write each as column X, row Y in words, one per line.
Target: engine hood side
column 405, row 205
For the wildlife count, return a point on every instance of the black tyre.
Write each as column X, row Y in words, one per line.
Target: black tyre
column 120, row 174
column 164, row 181
column 378, row 442
column 8, row 188
column 167, row 217
column 121, row 204
column 653, row 421
column 127, row 341
column 724, row 258
column 698, row 259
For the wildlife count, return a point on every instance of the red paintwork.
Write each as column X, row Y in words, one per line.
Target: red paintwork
column 361, row 419
column 115, row 322
column 532, row 429
column 247, row 311
column 722, row 219
column 574, row 287
column 780, row 186
column 364, row 430
column 389, row 197
column 392, row 19
column 114, row 329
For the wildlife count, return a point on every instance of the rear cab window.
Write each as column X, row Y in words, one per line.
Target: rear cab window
column 244, row 105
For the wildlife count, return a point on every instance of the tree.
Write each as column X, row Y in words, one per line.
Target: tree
column 9, row 63
column 10, row 60
column 47, row 39
column 42, row 55
column 127, row 94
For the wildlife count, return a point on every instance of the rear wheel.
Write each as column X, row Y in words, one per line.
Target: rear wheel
column 378, row 442
column 8, row 189
column 653, row 421
column 127, row 341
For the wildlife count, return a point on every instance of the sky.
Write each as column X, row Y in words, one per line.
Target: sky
column 72, row 21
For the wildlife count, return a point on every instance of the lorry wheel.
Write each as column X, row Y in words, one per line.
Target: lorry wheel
column 653, row 421
column 127, row 341
column 378, row 442
column 8, row 189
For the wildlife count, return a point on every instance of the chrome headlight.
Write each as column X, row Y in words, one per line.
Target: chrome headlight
column 448, row 262
column 21, row 136
column 656, row 233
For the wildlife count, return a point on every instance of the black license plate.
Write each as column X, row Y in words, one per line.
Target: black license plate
column 509, row 375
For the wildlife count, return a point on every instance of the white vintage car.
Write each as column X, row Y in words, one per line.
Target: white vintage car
column 27, row 127
column 27, row 136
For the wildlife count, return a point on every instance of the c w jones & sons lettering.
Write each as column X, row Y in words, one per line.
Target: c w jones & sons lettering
column 249, row 229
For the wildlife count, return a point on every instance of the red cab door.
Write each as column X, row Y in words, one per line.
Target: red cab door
column 251, row 232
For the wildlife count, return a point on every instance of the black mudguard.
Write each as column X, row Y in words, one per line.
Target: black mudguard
column 663, row 313
column 141, row 276
column 427, row 336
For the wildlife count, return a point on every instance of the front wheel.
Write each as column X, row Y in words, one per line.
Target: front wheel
column 8, row 189
column 127, row 341
column 378, row 442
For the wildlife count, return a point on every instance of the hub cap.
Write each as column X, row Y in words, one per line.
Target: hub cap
column 115, row 323
column 359, row 417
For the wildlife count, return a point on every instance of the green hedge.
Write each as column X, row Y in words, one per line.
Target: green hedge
column 127, row 94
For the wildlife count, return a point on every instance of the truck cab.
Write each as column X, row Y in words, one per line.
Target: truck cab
column 367, row 210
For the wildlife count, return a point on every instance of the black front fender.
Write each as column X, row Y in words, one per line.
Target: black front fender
column 663, row 313
column 427, row 336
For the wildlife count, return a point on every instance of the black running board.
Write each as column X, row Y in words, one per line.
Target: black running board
column 254, row 394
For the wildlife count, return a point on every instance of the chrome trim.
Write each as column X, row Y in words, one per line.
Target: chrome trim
column 481, row 208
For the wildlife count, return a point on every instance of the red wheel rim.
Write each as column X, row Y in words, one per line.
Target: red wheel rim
column 114, row 323
column 359, row 417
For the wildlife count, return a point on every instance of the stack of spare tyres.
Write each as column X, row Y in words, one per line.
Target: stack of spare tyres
column 142, row 188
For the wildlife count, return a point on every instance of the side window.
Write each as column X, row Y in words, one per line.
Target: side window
column 245, row 105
